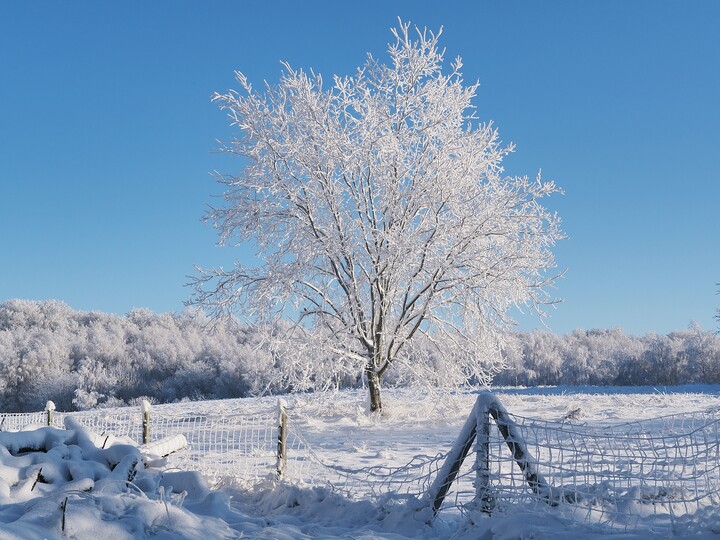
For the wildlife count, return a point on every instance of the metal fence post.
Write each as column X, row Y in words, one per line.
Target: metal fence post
column 281, row 463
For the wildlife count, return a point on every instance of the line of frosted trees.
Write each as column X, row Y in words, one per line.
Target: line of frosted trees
column 612, row 357
column 88, row 359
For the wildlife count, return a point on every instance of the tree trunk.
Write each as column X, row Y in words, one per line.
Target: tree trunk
column 373, row 379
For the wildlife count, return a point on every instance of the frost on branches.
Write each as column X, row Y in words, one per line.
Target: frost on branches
column 381, row 215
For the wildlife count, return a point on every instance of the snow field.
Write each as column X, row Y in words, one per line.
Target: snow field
column 338, row 447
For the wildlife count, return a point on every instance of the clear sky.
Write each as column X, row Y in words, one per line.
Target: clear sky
column 107, row 138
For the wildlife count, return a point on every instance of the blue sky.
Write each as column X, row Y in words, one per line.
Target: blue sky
column 107, row 138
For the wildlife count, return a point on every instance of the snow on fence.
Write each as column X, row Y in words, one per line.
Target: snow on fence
column 647, row 474
column 639, row 475
column 223, row 446
column 644, row 475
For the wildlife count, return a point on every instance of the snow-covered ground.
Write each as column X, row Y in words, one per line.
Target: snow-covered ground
column 74, row 488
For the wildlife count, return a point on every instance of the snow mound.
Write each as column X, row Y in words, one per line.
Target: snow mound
column 72, row 483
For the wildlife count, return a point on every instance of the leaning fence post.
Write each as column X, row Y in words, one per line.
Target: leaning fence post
column 282, row 438
column 146, row 421
column 50, row 409
column 450, row 469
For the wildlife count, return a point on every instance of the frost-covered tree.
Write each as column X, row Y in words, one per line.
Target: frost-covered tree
column 380, row 211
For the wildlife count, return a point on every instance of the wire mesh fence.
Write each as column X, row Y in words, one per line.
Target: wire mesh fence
column 645, row 474
column 640, row 475
column 18, row 421
column 222, row 446
column 387, row 484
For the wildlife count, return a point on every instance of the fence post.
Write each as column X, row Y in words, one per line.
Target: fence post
column 50, row 409
column 450, row 469
column 146, row 421
column 282, row 438
column 521, row 455
column 483, row 495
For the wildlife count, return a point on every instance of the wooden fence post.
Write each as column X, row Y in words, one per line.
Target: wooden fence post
column 483, row 494
column 50, row 409
column 146, row 421
column 281, row 463
column 450, row 469
column 477, row 427
column 521, row 455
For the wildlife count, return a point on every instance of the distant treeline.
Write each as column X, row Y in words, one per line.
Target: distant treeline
column 81, row 360
column 611, row 357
